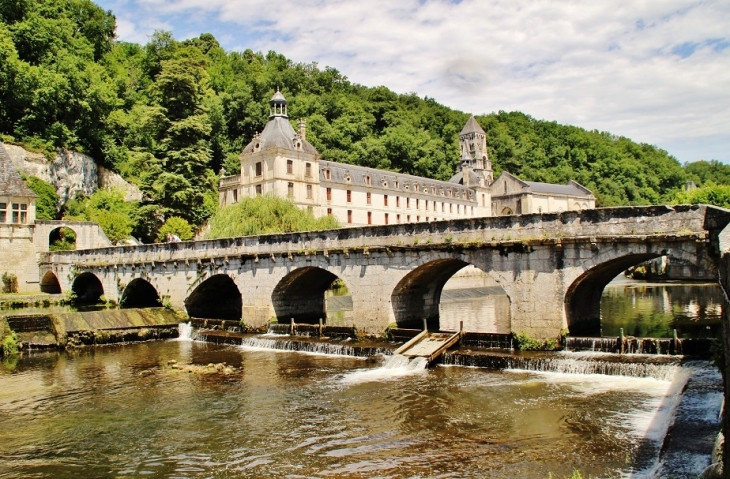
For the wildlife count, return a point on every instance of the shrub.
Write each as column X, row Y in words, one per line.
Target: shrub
column 525, row 342
column 175, row 226
column 10, row 283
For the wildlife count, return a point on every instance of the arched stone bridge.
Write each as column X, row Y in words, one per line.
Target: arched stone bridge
column 553, row 267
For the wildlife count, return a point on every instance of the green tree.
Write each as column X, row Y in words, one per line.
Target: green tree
column 47, row 202
column 108, row 208
column 265, row 215
column 710, row 194
column 175, row 226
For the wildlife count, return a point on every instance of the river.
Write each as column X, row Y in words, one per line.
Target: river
column 125, row 411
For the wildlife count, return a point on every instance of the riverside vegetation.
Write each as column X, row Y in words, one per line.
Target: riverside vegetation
column 168, row 115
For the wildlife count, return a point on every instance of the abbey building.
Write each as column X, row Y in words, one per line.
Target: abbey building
column 280, row 161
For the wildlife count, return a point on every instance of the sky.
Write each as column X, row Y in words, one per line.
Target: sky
column 656, row 71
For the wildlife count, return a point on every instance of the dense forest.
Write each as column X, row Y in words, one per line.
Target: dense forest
column 170, row 114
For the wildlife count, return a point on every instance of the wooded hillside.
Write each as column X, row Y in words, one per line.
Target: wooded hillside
column 169, row 114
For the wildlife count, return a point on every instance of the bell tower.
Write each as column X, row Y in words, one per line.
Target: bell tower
column 473, row 146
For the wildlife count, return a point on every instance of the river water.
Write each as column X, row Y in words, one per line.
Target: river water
column 125, row 412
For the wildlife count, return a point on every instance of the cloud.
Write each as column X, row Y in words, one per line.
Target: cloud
column 653, row 71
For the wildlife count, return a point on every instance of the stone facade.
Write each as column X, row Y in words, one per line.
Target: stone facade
column 280, row 161
column 513, row 196
column 22, row 237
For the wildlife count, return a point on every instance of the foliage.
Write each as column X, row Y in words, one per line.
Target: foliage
column 108, row 208
column 169, row 114
column 175, row 226
column 265, row 215
column 62, row 239
column 10, row 344
column 47, row 202
column 525, row 342
column 710, row 194
column 10, row 283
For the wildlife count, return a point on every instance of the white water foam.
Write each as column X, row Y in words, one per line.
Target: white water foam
column 185, row 332
column 394, row 367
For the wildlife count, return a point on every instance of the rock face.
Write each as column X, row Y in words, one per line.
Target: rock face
column 71, row 173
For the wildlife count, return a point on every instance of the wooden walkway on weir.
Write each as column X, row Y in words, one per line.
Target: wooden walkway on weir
column 428, row 345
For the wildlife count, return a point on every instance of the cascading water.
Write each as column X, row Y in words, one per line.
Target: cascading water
column 278, row 329
column 395, row 366
column 312, row 347
column 186, row 332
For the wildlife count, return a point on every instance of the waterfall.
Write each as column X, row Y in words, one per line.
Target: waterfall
column 393, row 367
column 663, row 368
column 278, row 329
column 631, row 345
column 186, row 332
column 311, row 346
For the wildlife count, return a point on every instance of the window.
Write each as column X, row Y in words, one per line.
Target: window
column 426, row 218
column 505, row 187
column 472, row 210
column 426, row 205
column 309, row 192
column 20, row 213
column 349, row 216
column 258, row 190
column 349, row 196
column 395, row 184
column 417, row 203
column 397, row 201
column 329, row 211
column 418, row 218
column 308, row 170
column 385, row 200
column 289, row 167
column 259, row 168
column 370, row 217
column 367, row 179
column 458, row 209
column 327, row 175
column 484, row 202
column 408, row 218
column 443, row 207
column 3, row 212
column 386, row 218
column 290, row 190
column 451, row 208
column 329, row 194
column 408, row 202
column 235, row 196
column 369, row 198
column 397, row 218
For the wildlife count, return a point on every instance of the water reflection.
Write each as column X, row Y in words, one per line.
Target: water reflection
column 654, row 310
column 123, row 411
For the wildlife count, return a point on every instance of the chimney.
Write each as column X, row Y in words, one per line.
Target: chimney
column 302, row 129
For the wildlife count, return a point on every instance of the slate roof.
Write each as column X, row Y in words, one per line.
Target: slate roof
column 11, row 184
column 570, row 189
column 278, row 133
column 472, row 126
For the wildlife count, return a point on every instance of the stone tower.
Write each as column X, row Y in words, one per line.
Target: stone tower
column 473, row 149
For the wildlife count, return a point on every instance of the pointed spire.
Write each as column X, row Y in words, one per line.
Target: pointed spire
column 472, row 126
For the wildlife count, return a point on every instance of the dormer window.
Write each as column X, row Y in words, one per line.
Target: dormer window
column 416, row 187
column 366, row 178
column 327, row 174
column 395, row 184
column 347, row 177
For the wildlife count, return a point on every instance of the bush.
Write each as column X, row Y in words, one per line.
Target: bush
column 265, row 214
column 47, row 203
column 175, row 226
column 525, row 342
column 10, row 283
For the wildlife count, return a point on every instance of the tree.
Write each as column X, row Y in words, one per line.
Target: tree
column 175, row 226
column 47, row 202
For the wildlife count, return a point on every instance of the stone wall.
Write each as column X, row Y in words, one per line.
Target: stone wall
column 19, row 255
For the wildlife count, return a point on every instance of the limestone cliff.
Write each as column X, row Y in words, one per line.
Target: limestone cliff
column 71, row 173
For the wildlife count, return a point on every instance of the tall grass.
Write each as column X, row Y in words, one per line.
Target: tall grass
column 265, row 215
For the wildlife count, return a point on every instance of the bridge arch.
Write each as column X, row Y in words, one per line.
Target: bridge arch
column 583, row 296
column 62, row 238
column 87, row 288
column 301, row 295
column 418, row 295
column 217, row 297
column 140, row 293
column 50, row 284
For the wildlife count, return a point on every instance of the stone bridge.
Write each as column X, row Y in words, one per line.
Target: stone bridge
column 552, row 267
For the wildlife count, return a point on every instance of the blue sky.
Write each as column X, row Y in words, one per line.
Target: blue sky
column 656, row 71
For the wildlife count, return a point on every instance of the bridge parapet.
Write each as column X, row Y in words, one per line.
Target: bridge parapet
column 594, row 226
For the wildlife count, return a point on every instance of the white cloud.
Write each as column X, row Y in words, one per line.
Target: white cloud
column 615, row 66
